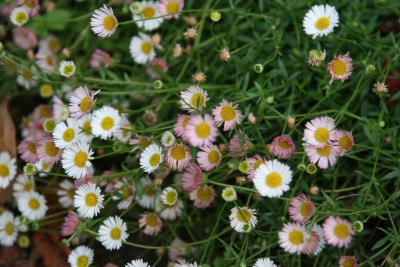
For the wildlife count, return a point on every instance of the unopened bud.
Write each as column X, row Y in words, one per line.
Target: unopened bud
column 258, row 68
column 215, row 16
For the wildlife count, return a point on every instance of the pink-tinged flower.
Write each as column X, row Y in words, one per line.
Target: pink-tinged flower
column 180, row 126
column 338, row 232
column 340, row 67
column 301, row 208
column 319, row 131
column 311, row 244
column 165, row 7
column 48, row 152
column 209, row 158
column 201, row 131
column 42, row 112
column 60, row 110
column 46, row 60
column 81, row 102
column 177, row 249
column 322, row 242
column 348, row 261
column 84, row 180
column 292, row 237
column 192, row 177
column 203, row 196
column 24, row 38
column 239, row 146
column 283, row 147
column 324, row 156
column 228, row 114
column 156, row 65
column 177, row 156
column 32, row 6
column 71, row 221
column 193, row 99
column 140, row 142
column 27, row 151
column 344, row 141
column 99, row 57
column 254, row 163
column 151, row 223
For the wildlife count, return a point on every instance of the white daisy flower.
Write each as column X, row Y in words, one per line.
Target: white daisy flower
column 320, row 131
column 43, row 168
column 8, row 169
column 137, row 263
column 243, row 219
column 320, row 20
column 123, row 132
column 141, row 48
column 66, row 134
column 89, row 200
column 292, row 237
column 151, row 158
column 27, row 77
column 264, row 262
column 75, row 159
column 81, row 102
column 168, row 139
column 105, row 122
column 183, row 263
column 193, row 99
column 81, row 256
column 169, row 196
column 169, row 212
column 86, row 128
column 67, row 68
column 19, row 16
column 103, row 22
column 32, row 205
column 66, row 194
column 127, row 190
column 147, row 11
column 113, row 232
column 23, row 183
column 150, row 193
column 8, row 228
column 272, row 178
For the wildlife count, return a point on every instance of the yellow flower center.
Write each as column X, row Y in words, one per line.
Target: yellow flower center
column 29, row 3
column 324, row 152
column 284, row 144
column 127, row 192
column 172, row 7
column 115, row 233
column 197, row 100
column 46, row 90
column 26, row 74
column 45, row 111
column 9, row 228
column 54, row 45
column 28, row 186
column 339, row 67
column 203, row 130
column 321, row 135
column 213, row 157
column 322, row 23
column 185, row 122
column 85, row 104
column 31, row 148
column 257, row 164
column 296, row 237
column 49, row 60
column 345, row 142
column 273, row 179
column 341, row 231
column 51, row 149
column 34, row 204
column 149, row 190
column 305, row 209
column 82, row 261
column 243, row 216
column 146, row 48
column 71, row 193
column 80, row 159
column 228, row 113
column 109, row 23
column 4, row 171
column 69, row 135
column 21, row 17
column 178, row 152
column 151, row 220
column 349, row 262
column 144, row 142
column 91, row 200
column 148, row 12
column 171, row 197
column 107, row 123
column 86, row 128
column 154, row 160
column 204, row 193
column 68, row 69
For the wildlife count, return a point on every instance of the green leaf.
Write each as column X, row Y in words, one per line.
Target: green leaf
column 391, row 175
column 328, row 199
column 228, row 248
column 380, row 243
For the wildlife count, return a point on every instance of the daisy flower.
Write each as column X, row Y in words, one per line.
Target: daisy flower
column 137, row 263
column 338, row 232
column 75, row 159
column 71, row 221
column 151, row 223
column 24, row 38
column 209, row 158
column 239, row 146
column 180, row 126
column 380, row 88
column 26, row 78
column 105, row 122
column 47, row 61
column 324, row 156
column 19, row 16
column 272, row 178
column 81, row 256
column 81, row 102
column 301, row 208
column 178, row 156
column 67, row 68
column 168, row 139
column 148, row 198
column 348, row 261
column 190, row 33
column 8, row 169
column 151, row 158
column 201, row 131
column 123, row 132
column 292, row 237
column 254, row 163
column 60, row 110
column 203, row 196
column 228, row 114
column 89, row 200
column 192, row 177
column 32, row 6
column 103, row 22
column 32, row 205
column 340, row 68
column 140, row 142
column 127, row 191
column 193, row 99
column 43, row 168
column 311, row 243
column 169, row 212
column 344, row 141
column 86, row 128
column 169, row 196
column 50, row 43
column 264, row 262
column 282, row 147
column 316, row 57
column 243, row 219
column 141, row 48
column 229, row 194
column 113, row 232
column 98, row 58
column 65, row 134
column 8, row 228
column 145, row 18
column 319, row 131
column 23, row 183
column 66, row 194
column 322, row 242
column 165, row 7
column 320, row 20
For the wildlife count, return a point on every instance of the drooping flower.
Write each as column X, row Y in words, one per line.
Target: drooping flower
column 282, row 147
column 103, row 22
column 320, row 20
column 151, row 223
column 203, row 196
column 238, row 146
column 70, row 223
column 192, row 177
